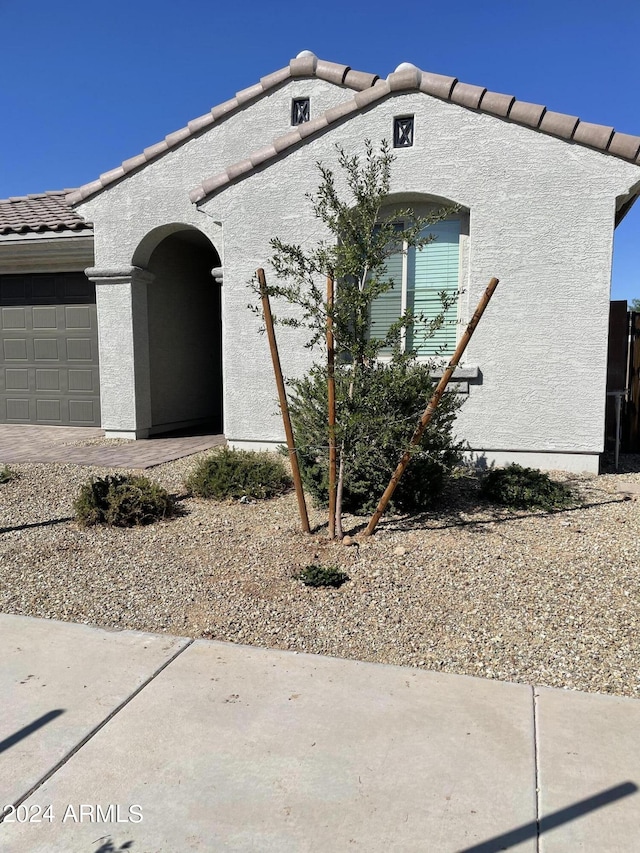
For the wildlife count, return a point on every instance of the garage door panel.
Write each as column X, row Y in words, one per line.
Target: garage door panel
column 82, row 380
column 80, row 349
column 49, row 411
column 46, row 349
column 17, row 410
column 48, row 380
column 83, row 412
column 45, row 318
column 15, row 349
column 78, row 316
column 49, row 370
column 16, row 379
column 14, row 318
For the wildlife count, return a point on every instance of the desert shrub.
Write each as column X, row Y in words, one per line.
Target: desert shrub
column 524, row 488
column 239, row 473
column 377, row 420
column 6, row 474
column 316, row 576
column 122, row 500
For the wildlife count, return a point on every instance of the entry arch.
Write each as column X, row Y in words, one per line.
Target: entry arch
column 184, row 318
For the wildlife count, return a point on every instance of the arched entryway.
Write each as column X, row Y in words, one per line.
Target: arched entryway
column 184, row 316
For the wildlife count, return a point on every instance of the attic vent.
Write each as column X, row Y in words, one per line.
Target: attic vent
column 403, row 132
column 300, row 110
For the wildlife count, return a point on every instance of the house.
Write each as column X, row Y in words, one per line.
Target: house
column 179, row 230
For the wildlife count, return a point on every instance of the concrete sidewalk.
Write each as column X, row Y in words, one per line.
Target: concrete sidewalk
column 113, row 741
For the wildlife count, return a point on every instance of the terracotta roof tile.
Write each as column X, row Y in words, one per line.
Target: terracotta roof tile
column 40, row 213
column 305, row 64
column 624, row 145
column 595, row 135
column 525, row 113
column 339, row 111
column 497, row 104
column 371, row 88
column 467, row 95
column 359, row 80
column 370, row 96
column 559, row 124
column 263, row 154
column 331, row 71
column 437, row 85
column 314, row 125
column 408, row 77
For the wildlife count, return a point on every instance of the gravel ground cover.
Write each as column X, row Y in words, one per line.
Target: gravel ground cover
column 524, row 596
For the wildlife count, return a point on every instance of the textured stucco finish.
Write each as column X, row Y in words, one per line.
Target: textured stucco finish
column 541, row 219
column 158, row 193
column 123, row 346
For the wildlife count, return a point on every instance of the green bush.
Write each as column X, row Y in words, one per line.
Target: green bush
column 239, row 473
column 122, row 500
column 6, row 474
column 377, row 421
column 316, row 576
column 525, row 488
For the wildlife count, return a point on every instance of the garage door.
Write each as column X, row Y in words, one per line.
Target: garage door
column 49, row 350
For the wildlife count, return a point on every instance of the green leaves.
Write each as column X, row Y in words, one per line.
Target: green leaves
column 360, row 241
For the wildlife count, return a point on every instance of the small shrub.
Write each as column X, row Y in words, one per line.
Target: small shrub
column 6, row 474
column 239, row 473
column 316, row 575
column 380, row 410
column 524, row 488
column 122, row 500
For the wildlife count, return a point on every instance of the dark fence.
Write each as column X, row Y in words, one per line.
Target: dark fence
column 623, row 379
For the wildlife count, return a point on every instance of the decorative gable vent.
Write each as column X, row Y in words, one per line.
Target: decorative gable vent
column 300, row 110
column 403, row 132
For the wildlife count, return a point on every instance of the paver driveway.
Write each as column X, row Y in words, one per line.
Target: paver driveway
column 26, row 443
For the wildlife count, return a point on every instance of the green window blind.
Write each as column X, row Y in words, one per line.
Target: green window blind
column 387, row 308
column 429, row 271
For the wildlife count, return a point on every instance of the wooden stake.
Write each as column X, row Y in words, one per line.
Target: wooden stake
column 331, row 401
column 284, row 406
column 431, row 407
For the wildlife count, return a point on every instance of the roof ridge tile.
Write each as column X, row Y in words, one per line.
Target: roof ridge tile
column 409, row 78
column 370, row 88
column 467, row 95
column 530, row 115
column 305, row 64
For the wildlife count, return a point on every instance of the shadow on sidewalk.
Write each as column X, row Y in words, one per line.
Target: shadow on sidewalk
column 536, row 828
column 24, row 732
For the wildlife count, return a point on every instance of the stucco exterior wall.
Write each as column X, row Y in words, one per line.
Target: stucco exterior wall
column 541, row 219
column 158, row 194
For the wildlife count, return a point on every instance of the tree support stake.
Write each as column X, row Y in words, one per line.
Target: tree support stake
column 282, row 395
column 431, row 407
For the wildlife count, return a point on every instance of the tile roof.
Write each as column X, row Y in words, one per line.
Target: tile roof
column 408, row 78
column 306, row 64
column 40, row 213
column 369, row 88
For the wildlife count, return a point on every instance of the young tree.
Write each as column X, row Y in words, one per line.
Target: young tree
column 362, row 235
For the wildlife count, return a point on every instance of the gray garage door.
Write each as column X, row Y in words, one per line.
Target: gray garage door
column 49, row 350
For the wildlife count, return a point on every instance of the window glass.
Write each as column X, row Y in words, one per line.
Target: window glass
column 418, row 283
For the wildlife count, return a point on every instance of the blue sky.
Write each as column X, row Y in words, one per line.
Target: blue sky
column 89, row 84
